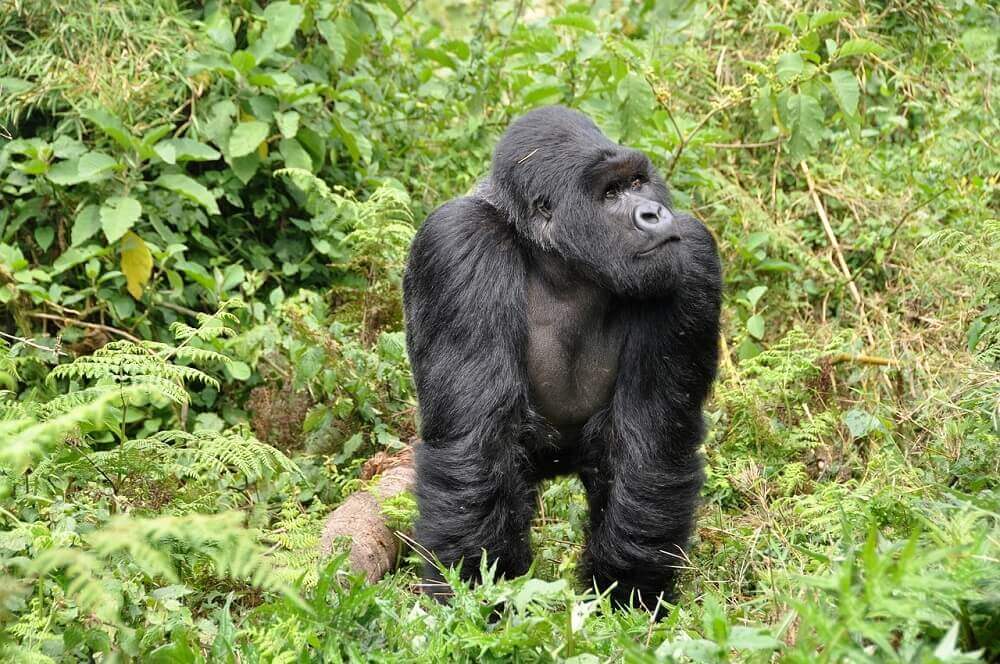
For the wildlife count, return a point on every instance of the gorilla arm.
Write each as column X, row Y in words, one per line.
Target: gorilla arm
column 464, row 299
column 643, row 491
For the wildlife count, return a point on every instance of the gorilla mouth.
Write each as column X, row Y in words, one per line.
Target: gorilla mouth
column 651, row 250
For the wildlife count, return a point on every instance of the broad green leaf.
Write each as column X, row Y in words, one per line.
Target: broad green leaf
column 110, row 125
column 88, row 222
column 294, row 154
column 87, row 168
column 246, row 137
column 174, row 150
column 755, row 326
column 44, row 236
column 136, row 263
column 826, row 18
column 789, row 66
column 806, row 119
column 844, row 87
column 538, row 93
column 288, row 123
column 576, row 21
column 244, row 61
column 861, row 423
column 754, row 295
column 859, row 47
column 220, row 30
column 238, row 370
column 118, row 214
column 189, row 188
column 283, row 20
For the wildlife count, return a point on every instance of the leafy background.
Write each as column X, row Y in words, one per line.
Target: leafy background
column 205, row 212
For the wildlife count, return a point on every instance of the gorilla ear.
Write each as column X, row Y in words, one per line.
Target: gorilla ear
column 542, row 208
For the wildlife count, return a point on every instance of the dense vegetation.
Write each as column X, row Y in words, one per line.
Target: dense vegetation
column 205, row 212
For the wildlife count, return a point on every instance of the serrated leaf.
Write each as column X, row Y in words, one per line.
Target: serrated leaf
column 136, row 263
column 805, row 116
column 118, row 214
column 859, row 47
column 87, row 222
column 755, row 326
column 190, row 189
column 844, row 87
column 246, row 137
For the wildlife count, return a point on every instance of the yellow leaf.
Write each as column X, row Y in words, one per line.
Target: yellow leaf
column 262, row 150
column 137, row 263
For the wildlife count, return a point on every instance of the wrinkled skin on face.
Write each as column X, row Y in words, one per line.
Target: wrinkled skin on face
column 601, row 207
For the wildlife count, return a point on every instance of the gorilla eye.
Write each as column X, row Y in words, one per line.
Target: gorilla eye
column 612, row 192
column 637, row 183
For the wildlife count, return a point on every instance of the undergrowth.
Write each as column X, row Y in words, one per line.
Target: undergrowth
column 206, row 209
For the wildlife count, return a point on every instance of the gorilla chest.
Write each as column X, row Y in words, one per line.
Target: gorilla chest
column 574, row 340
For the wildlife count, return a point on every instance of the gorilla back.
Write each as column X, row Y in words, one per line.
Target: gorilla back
column 562, row 318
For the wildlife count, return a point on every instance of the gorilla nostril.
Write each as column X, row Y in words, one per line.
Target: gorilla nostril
column 649, row 217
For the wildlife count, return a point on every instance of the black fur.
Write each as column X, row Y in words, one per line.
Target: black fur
column 547, row 220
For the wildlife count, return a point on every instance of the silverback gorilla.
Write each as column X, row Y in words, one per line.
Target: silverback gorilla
column 562, row 318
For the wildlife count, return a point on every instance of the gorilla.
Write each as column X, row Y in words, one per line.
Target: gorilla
column 562, row 318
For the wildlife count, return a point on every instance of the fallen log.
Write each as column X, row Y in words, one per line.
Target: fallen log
column 374, row 547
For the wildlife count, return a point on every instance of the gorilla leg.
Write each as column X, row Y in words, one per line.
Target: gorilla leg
column 641, row 514
column 474, row 500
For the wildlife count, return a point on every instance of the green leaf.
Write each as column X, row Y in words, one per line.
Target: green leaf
column 238, row 370
column 118, row 214
column 87, row 222
column 754, row 295
column 576, row 21
column 190, row 189
column 174, row 150
column 789, row 66
column 861, row 423
column 283, row 20
column 294, row 155
column 755, row 326
column 89, row 167
column 859, row 47
column 220, row 30
column 826, row 18
column 806, row 119
column 246, row 137
column 244, row 61
column 288, row 123
column 844, row 87
column 136, row 263
column 110, row 125
column 44, row 236
column 537, row 93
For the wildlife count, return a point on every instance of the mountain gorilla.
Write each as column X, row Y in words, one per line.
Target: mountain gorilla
column 562, row 318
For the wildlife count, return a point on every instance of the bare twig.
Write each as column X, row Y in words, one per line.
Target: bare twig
column 92, row 326
column 29, row 342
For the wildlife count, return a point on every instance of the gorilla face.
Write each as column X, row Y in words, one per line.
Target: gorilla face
column 599, row 206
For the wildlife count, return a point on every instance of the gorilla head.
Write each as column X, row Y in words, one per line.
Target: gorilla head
column 600, row 207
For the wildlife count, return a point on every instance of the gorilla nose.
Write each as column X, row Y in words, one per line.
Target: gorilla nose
column 656, row 220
